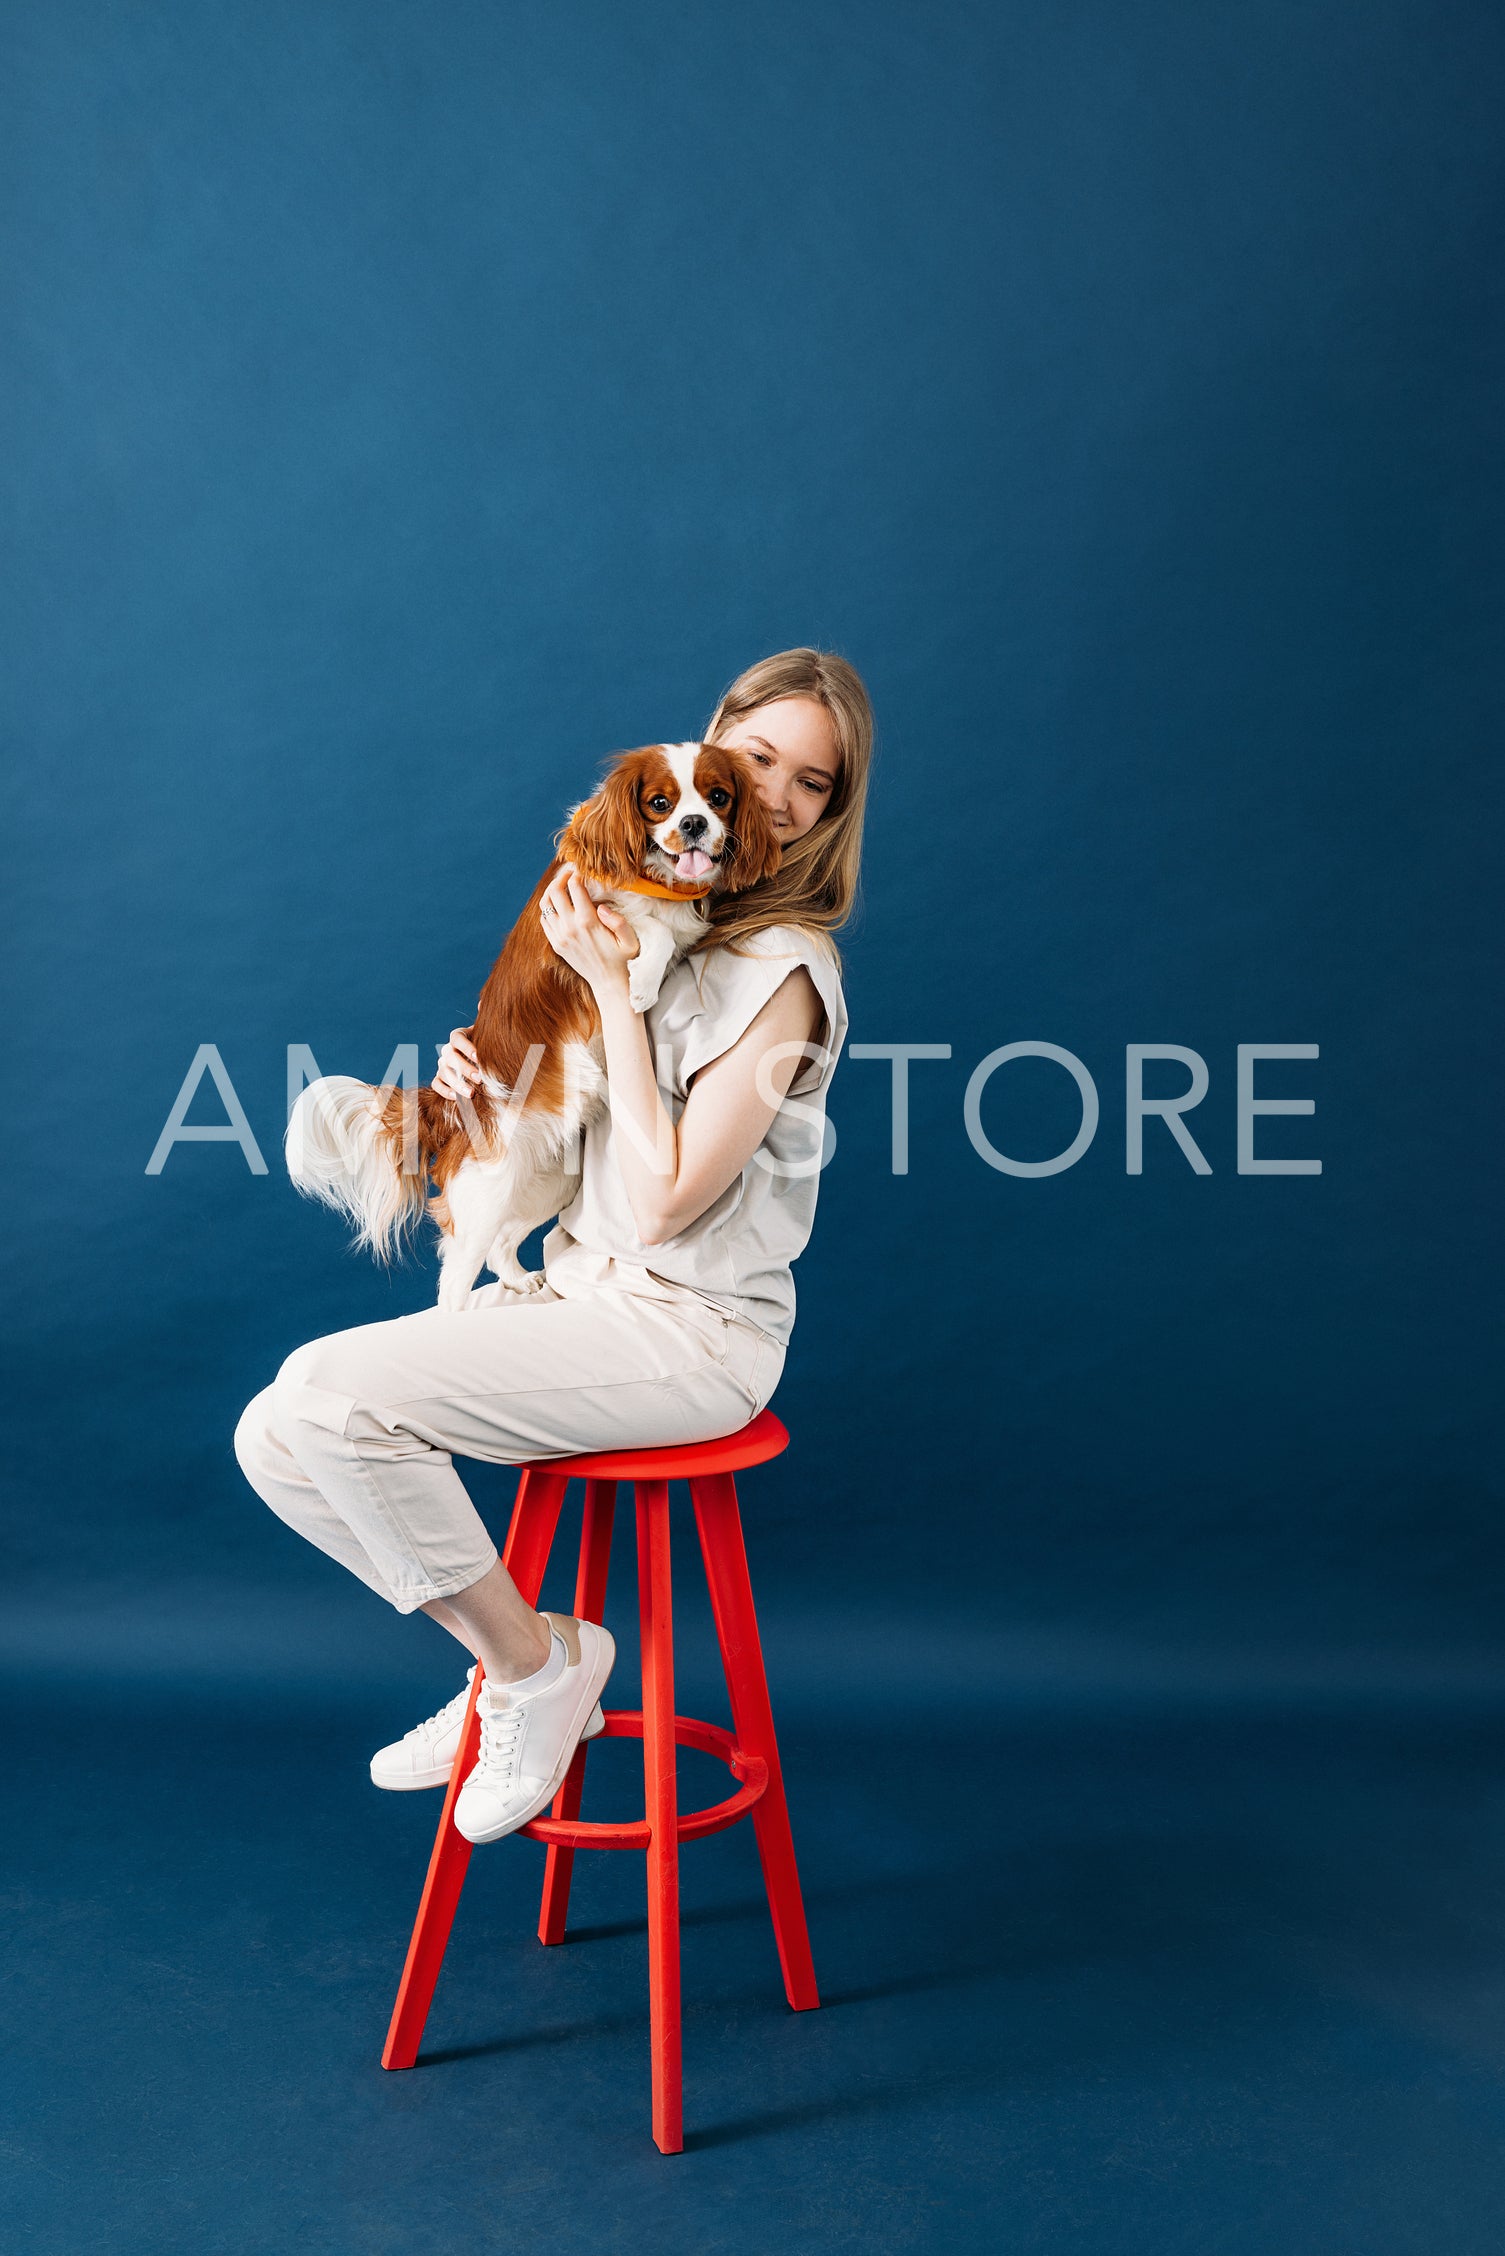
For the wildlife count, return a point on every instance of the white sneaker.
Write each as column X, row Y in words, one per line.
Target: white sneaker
column 425, row 1756
column 528, row 1737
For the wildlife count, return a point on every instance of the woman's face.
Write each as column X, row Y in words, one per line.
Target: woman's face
column 792, row 747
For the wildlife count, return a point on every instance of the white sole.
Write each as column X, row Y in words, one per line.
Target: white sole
column 419, row 1782
column 591, row 1693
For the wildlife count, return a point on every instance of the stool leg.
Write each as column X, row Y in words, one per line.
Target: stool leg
column 535, row 1516
column 720, row 1525
column 656, row 1614
column 590, row 1600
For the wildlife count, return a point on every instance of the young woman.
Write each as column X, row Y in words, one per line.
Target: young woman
column 668, row 1301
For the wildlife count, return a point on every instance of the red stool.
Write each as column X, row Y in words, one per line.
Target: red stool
column 749, row 1749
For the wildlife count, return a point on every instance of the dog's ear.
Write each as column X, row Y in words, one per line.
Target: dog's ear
column 605, row 834
column 757, row 852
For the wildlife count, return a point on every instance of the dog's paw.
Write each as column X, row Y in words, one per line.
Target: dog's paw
column 516, row 1281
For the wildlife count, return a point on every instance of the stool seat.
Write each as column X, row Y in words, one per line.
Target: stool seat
column 749, row 1750
column 753, row 1444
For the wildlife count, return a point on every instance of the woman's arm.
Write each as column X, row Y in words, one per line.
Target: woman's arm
column 673, row 1174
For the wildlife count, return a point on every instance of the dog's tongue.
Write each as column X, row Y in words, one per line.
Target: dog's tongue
column 690, row 868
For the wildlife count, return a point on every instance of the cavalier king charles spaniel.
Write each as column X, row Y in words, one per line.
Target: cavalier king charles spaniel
column 671, row 825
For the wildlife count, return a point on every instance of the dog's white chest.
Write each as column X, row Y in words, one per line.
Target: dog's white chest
column 665, row 930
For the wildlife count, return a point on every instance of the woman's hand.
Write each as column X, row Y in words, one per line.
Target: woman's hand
column 597, row 942
column 459, row 1068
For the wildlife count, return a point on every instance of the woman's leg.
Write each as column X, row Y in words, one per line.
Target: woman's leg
column 447, row 1619
column 489, row 1619
column 280, row 1481
column 494, row 1621
column 369, row 1418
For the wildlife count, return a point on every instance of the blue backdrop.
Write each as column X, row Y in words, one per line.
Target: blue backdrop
column 404, row 412
column 406, row 407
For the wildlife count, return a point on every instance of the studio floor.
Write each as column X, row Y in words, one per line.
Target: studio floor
column 1227, row 1981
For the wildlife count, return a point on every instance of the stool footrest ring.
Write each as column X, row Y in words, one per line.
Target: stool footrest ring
column 689, row 1731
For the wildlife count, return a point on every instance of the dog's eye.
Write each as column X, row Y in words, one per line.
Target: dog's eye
column 658, row 804
column 718, row 797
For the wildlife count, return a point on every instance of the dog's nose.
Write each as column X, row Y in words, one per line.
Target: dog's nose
column 692, row 826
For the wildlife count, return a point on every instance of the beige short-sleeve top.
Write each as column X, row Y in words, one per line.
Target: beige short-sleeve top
column 737, row 1255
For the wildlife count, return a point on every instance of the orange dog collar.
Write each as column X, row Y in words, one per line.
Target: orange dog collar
column 661, row 892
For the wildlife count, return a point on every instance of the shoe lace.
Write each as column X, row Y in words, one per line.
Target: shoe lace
column 501, row 1734
column 432, row 1727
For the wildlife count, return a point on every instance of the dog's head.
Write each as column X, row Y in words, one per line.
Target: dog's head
column 687, row 816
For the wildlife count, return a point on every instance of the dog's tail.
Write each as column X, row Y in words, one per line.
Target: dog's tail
column 369, row 1153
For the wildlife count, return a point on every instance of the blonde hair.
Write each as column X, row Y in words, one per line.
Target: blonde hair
column 817, row 878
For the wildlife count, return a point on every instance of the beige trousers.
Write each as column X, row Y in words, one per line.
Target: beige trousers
column 352, row 1443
